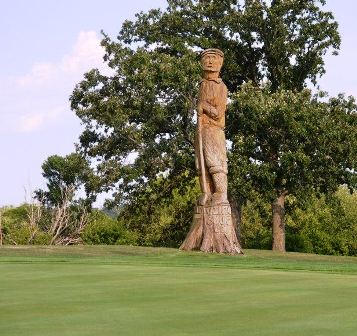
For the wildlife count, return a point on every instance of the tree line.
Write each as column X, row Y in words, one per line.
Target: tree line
column 285, row 143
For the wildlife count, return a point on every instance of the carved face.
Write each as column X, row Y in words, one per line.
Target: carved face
column 212, row 62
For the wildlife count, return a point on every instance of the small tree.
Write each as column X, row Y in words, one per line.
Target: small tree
column 65, row 176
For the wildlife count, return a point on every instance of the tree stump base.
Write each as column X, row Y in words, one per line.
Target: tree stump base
column 212, row 230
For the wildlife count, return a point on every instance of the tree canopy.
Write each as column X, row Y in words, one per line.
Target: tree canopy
column 65, row 175
column 291, row 142
column 139, row 120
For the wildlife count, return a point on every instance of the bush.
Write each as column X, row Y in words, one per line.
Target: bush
column 14, row 225
column 256, row 230
column 104, row 230
column 162, row 216
column 326, row 225
column 17, row 229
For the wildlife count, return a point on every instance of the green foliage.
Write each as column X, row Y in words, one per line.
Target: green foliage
column 256, row 224
column 282, row 41
column 348, row 203
column 327, row 226
column 41, row 238
column 138, row 123
column 64, row 175
column 319, row 224
column 16, row 228
column 162, row 215
column 289, row 142
column 139, row 120
column 104, row 230
column 292, row 37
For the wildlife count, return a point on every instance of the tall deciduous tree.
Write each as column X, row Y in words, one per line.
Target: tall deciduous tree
column 290, row 143
column 139, row 121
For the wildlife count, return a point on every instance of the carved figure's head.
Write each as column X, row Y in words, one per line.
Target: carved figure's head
column 212, row 60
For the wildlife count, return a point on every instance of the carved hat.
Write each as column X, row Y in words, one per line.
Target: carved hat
column 212, row 51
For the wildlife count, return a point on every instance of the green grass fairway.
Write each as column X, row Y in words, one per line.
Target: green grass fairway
column 87, row 290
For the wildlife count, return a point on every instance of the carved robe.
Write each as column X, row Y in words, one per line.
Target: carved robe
column 212, row 107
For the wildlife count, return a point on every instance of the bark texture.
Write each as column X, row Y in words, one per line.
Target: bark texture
column 278, row 211
column 236, row 208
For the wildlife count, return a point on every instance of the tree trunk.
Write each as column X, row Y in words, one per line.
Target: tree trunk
column 278, row 211
column 236, row 207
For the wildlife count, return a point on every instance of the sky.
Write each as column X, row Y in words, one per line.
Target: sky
column 48, row 45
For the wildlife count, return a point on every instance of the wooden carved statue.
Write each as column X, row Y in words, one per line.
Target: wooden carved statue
column 212, row 228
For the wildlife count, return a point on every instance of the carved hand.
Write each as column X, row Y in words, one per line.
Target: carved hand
column 210, row 110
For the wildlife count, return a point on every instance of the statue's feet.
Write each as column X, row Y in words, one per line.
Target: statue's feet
column 219, row 198
column 203, row 199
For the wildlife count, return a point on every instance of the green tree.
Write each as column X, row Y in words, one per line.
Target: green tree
column 65, row 175
column 291, row 143
column 322, row 224
column 139, row 120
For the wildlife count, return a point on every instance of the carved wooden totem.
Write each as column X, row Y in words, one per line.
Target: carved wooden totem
column 212, row 229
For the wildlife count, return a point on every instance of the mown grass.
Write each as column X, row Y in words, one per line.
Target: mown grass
column 117, row 290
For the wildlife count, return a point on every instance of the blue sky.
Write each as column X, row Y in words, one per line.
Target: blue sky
column 47, row 45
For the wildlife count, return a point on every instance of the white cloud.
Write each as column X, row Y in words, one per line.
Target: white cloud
column 39, row 98
column 32, row 122
column 40, row 73
column 28, row 123
column 85, row 54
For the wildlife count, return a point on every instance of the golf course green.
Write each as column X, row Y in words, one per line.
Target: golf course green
column 118, row 290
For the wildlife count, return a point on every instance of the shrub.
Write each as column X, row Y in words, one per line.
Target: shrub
column 104, row 230
column 256, row 225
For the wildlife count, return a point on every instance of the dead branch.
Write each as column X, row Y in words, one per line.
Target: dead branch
column 66, row 229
